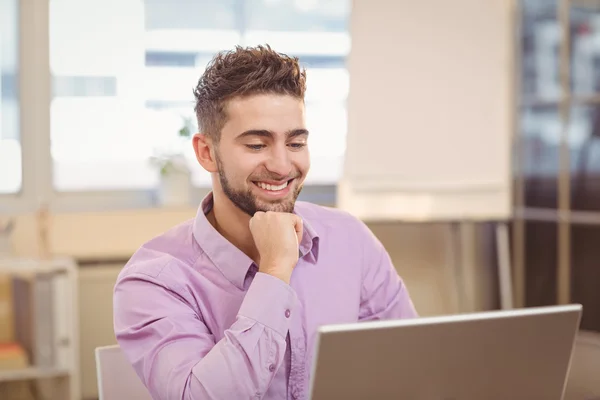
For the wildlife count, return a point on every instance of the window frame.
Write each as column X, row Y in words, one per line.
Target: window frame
column 33, row 80
column 35, row 97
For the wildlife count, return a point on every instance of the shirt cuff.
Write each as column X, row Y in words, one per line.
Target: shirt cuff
column 271, row 302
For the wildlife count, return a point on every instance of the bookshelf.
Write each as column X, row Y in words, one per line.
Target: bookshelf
column 45, row 301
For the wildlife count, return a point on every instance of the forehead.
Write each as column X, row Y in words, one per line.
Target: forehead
column 276, row 113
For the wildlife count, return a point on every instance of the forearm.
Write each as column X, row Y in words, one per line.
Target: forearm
column 241, row 365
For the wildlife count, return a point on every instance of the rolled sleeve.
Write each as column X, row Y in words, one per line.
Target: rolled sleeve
column 270, row 302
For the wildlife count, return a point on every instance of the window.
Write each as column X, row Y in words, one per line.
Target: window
column 123, row 73
column 10, row 147
column 559, row 152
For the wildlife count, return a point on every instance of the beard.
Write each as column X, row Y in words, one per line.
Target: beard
column 248, row 202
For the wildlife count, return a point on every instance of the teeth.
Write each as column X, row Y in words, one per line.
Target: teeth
column 273, row 188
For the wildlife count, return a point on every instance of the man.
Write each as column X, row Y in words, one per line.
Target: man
column 226, row 306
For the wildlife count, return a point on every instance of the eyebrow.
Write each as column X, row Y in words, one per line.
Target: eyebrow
column 269, row 134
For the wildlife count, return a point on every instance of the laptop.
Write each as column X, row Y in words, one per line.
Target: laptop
column 497, row 355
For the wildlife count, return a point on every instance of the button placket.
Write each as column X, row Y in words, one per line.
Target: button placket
column 298, row 355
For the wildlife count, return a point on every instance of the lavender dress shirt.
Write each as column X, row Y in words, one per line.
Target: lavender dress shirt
column 197, row 321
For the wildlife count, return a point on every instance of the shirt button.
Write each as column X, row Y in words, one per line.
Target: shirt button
column 271, row 367
column 287, row 313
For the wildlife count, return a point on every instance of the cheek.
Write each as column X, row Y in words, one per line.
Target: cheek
column 246, row 165
column 302, row 161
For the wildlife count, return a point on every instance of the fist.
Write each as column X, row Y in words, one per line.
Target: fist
column 276, row 237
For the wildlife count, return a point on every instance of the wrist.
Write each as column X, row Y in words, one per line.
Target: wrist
column 284, row 277
column 276, row 269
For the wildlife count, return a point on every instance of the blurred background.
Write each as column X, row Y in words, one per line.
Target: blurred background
column 96, row 112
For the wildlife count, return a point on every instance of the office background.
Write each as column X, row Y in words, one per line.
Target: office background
column 92, row 91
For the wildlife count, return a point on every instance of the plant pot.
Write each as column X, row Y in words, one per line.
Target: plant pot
column 175, row 189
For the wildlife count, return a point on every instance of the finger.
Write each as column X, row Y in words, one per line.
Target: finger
column 298, row 226
column 256, row 215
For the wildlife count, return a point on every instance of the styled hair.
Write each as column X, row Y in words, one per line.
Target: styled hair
column 242, row 72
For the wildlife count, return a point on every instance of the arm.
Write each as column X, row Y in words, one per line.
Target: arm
column 383, row 295
column 176, row 355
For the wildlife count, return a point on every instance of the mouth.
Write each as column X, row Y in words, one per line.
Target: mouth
column 274, row 189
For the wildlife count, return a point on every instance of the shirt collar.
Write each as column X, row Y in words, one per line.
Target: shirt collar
column 230, row 260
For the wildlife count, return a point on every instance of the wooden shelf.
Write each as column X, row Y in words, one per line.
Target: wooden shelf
column 32, row 373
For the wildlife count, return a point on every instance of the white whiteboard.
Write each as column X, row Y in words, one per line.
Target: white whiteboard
column 430, row 110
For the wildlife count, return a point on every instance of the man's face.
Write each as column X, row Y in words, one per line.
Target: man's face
column 262, row 155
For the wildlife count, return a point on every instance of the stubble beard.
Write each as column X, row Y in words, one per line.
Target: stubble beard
column 246, row 201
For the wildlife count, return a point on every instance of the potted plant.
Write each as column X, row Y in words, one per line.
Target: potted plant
column 174, row 189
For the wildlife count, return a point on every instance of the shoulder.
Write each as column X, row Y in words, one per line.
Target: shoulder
column 315, row 214
column 333, row 220
column 162, row 259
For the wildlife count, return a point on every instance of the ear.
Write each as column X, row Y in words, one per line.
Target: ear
column 204, row 149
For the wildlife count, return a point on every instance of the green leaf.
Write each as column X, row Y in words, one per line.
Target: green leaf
column 185, row 132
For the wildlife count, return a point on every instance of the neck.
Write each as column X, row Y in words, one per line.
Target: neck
column 233, row 224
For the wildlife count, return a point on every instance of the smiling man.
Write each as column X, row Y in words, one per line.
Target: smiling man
column 227, row 305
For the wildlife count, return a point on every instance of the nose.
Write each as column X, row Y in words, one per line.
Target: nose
column 279, row 161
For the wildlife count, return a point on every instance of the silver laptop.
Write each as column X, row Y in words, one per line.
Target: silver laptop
column 497, row 355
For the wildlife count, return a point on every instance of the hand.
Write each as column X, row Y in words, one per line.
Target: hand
column 276, row 236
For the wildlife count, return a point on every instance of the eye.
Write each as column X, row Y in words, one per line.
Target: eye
column 255, row 146
column 297, row 145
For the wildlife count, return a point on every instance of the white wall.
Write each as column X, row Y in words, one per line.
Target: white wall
column 430, row 110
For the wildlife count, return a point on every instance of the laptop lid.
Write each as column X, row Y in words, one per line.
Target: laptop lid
column 496, row 355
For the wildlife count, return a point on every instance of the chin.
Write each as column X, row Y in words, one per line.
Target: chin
column 282, row 201
column 286, row 207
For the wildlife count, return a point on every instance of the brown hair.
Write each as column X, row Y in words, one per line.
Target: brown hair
column 244, row 72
